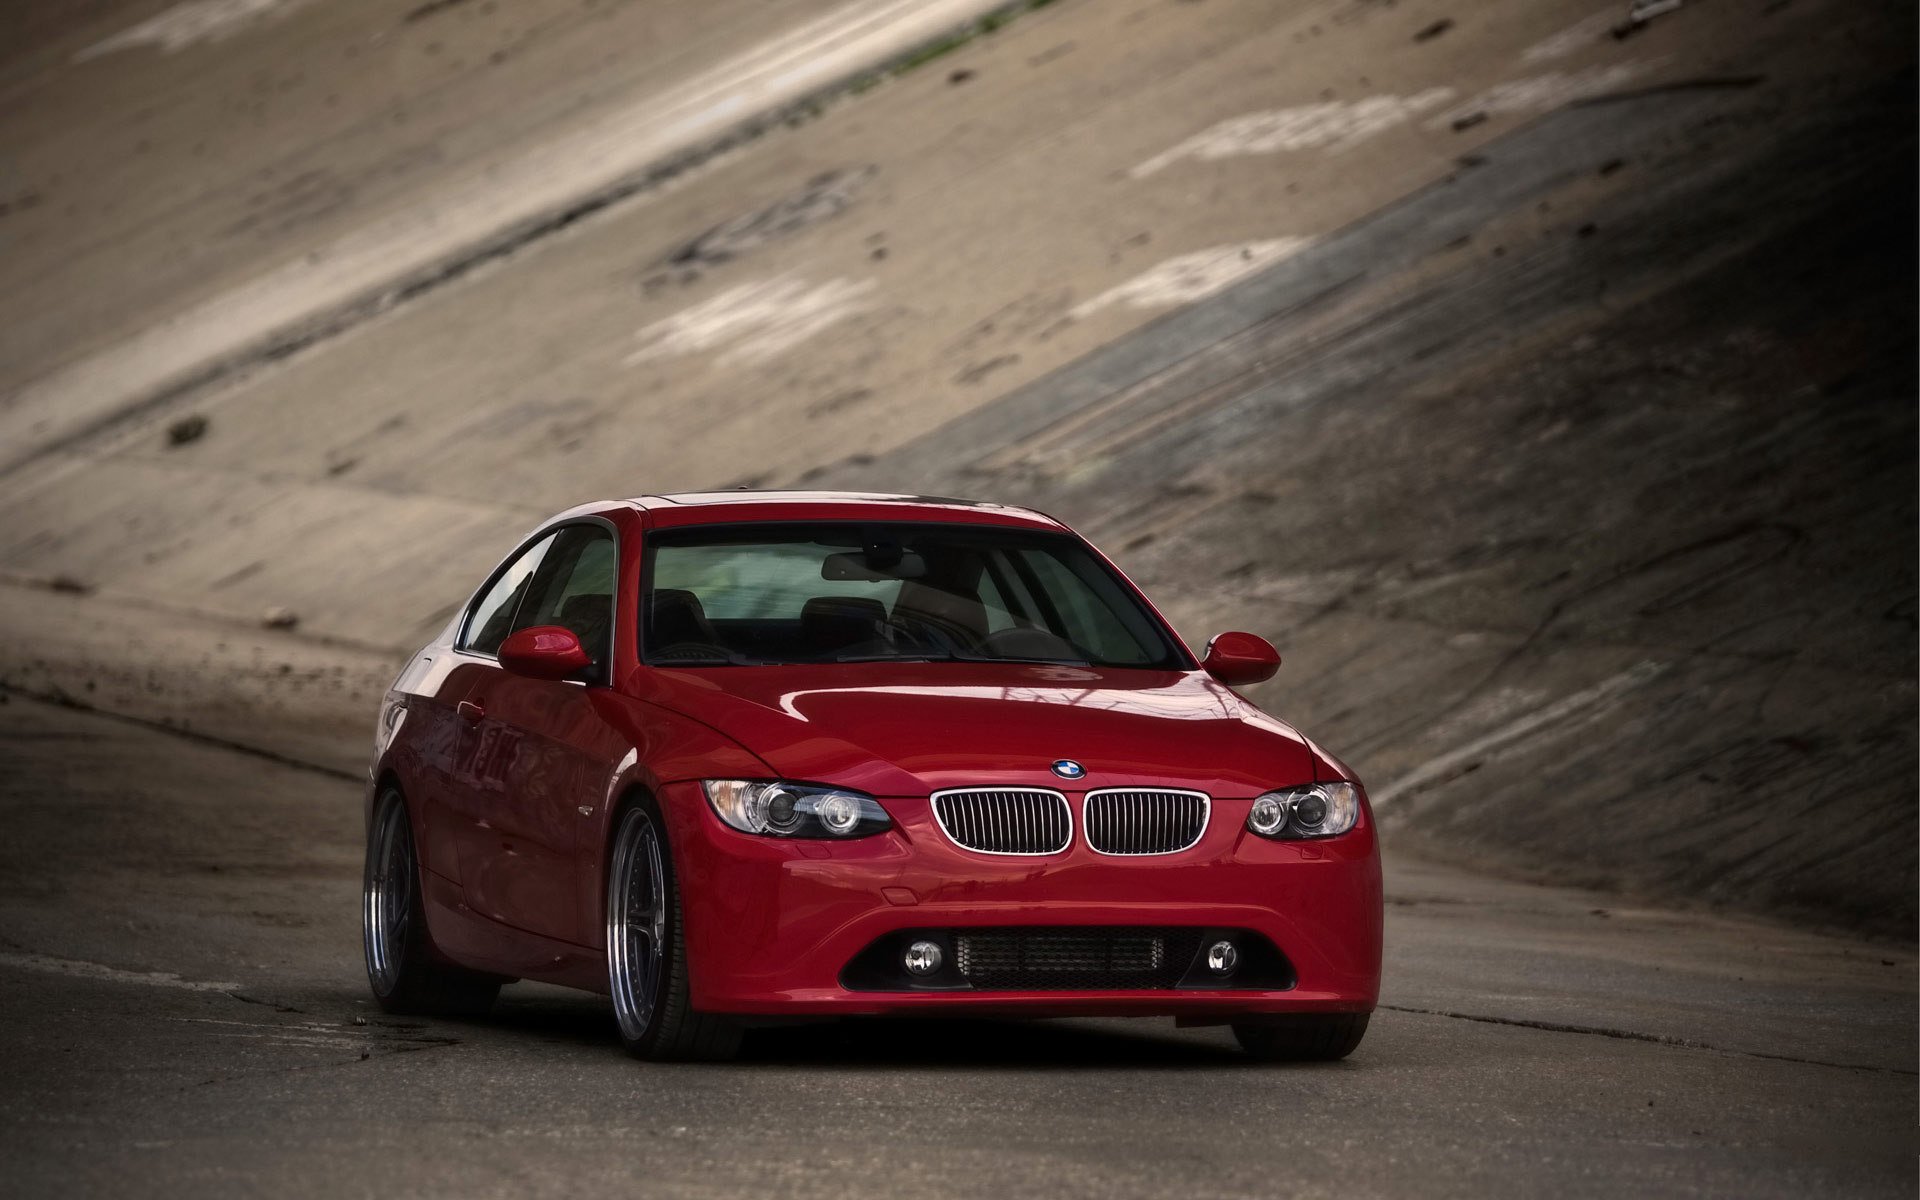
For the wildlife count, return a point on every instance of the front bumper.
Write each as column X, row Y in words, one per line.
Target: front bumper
column 772, row 924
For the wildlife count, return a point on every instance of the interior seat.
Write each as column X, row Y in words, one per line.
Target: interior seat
column 679, row 618
column 832, row 623
column 963, row 618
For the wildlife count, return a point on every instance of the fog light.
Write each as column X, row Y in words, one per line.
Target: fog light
column 1222, row 957
column 922, row 958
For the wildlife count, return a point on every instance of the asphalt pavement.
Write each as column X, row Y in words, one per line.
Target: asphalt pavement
column 182, row 1013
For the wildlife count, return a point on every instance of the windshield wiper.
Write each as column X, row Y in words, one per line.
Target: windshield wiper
column 919, row 656
column 1017, row 658
column 950, row 651
column 731, row 658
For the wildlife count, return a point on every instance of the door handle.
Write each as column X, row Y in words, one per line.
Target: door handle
column 471, row 710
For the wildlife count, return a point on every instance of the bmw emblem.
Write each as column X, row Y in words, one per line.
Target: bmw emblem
column 1066, row 768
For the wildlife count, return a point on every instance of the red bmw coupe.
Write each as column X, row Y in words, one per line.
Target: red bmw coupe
column 747, row 756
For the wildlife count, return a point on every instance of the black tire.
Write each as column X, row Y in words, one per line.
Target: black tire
column 1304, row 1037
column 650, row 992
column 402, row 969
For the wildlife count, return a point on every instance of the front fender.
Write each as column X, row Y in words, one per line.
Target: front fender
column 665, row 748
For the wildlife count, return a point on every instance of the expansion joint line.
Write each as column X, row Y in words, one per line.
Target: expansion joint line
column 1629, row 1035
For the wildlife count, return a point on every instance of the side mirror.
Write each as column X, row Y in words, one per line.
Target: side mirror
column 544, row 652
column 1240, row 658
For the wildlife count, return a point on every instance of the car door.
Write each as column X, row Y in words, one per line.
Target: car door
column 543, row 751
column 455, row 745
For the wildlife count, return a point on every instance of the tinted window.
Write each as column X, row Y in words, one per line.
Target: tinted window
column 1079, row 614
column 573, row 588
column 840, row 593
column 491, row 617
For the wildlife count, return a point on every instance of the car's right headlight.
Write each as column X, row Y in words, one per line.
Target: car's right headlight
column 776, row 808
column 1316, row 810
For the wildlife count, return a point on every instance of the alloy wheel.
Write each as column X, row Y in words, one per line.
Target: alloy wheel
column 387, row 901
column 636, row 923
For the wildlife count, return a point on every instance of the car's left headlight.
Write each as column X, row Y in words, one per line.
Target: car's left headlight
column 1316, row 810
column 776, row 808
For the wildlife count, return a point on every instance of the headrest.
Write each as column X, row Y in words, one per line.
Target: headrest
column 678, row 617
column 671, row 599
column 963, row 616
column 835, row 621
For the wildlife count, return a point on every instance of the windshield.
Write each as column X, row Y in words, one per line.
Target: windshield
column 740, row 595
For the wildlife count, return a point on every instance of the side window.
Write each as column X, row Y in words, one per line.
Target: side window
column 574, row 589
column 492, row 615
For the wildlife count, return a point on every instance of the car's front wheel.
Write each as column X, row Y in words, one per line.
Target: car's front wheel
column 1302, row 1037
column 401, row 968
column 646, row 948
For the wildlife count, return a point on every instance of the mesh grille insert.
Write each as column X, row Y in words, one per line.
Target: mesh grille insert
column 1005, row 821
column 1075, row 958
column 1144, row 821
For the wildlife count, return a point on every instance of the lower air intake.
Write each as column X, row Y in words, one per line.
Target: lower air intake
column 1075, row 958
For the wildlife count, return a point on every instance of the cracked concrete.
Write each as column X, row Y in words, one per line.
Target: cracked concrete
column 1658, row 1039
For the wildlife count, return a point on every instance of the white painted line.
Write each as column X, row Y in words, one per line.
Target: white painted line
column 1504, row 704
column 470, row 209
column 758, row 320
column 188, row 24
column 1574, row 38
column 1334, row 125
column 1581, row 708
column 90, row 970
column 1193, row 276
column 1536, row 93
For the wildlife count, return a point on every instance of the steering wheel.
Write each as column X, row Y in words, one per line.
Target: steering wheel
column 1027, row 642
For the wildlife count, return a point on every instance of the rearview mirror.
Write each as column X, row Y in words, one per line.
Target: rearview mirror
column 1240, row 658
column 873, row 567
column 544, row 652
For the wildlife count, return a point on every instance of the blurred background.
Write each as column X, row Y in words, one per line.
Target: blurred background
column 1539, row 375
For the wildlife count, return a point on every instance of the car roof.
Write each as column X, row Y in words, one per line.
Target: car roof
column 743, row 504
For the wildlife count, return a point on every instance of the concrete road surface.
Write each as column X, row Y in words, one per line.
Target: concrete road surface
column 1544, row 388
column 182, row 1013
column 222, row 179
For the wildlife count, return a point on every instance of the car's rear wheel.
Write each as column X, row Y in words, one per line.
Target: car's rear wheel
column 646, row 949
column 1302, row 1037
column 401, row 967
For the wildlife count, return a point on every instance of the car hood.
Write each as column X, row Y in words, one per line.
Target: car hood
column 907, row 729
